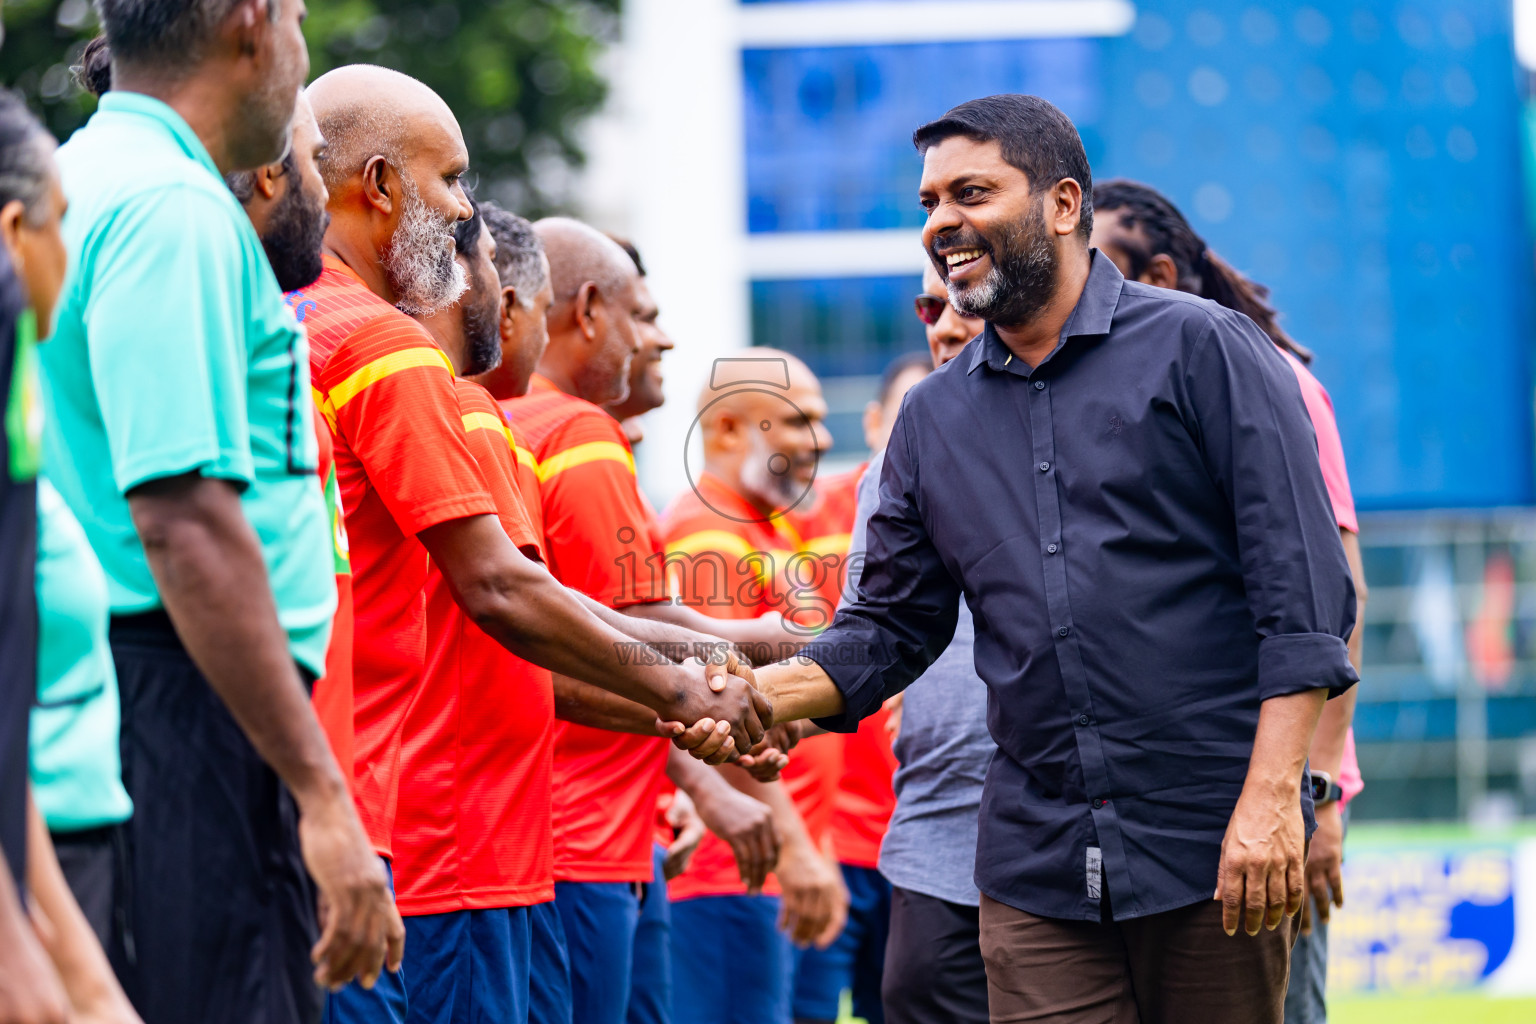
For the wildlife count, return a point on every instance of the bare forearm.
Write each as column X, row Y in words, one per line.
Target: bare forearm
column 799, row 688
column 1327, row 752
column 70, row 943
column 522, row 607
column 1339, row 714
column 584, row 704
column 763, row 640
column 208, row 567
column 1284, row 736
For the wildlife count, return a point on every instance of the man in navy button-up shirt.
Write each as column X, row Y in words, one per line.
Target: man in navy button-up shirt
column 1115, row 478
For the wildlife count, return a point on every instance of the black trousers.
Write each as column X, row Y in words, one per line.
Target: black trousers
column 220, row 912
column 934, row 973
column 89, row 860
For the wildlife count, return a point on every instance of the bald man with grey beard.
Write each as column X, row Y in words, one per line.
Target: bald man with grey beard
column 415, row 498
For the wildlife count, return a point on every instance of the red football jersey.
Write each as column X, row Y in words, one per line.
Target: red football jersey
column 473, row 828
column 332, row 697
column 726, row 563
column 403, row 465
column 865, row 796
column 605, row 783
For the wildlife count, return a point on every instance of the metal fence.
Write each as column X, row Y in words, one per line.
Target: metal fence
column 1446, row 723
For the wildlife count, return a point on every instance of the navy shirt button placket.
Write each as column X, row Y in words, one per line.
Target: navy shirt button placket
column 1045, row 467
column 1063, row 631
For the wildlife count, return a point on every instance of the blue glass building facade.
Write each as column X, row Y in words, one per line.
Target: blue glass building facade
column 1362, row 159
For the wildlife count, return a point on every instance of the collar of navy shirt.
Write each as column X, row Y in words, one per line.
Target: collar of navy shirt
column 1091, row 317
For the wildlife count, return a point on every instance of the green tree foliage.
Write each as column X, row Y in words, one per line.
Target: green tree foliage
column 520, row 74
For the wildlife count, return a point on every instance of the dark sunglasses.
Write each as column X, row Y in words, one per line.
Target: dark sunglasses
column 929, row 308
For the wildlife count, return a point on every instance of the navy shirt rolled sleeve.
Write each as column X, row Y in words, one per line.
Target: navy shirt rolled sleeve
column 1140, row 528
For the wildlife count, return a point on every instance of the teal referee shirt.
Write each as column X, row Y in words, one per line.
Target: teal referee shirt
column 174, row 353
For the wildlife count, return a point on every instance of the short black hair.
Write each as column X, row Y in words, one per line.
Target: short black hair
column 630, row 251
column 26, row 159
column 519, row 253
column 168, row 34
column 93, row 73
column 900, row 365
column 466, row 233
column 1035, row 136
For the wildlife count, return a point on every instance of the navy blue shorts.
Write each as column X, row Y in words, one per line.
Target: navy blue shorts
column 855, row 960
column 650, row 983
column 549, row 967
column 219, row 910
column 730, row 962
column 385, row 1003
column 600, row 920
column 469, row 966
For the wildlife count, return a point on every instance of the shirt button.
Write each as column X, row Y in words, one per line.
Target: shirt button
column 1039, row 385
column 1082, row 719
column 1063, row 631
column 1097, row 804
column 1045, row 467
column 1050, row 549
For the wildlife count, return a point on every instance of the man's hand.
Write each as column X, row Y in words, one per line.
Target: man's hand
column 746, row 825
column 30, row 991
column 361, row 930
column 1325, row 867
column 684, row 817
column 893, row 720
column 815, row 898
column 1261, row 879
column 727, row 716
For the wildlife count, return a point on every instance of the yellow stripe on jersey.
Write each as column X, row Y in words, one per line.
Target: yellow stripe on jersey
column 324, row 407
column 831, row 544
column 581, row 454
column 711, row 540
column 384, row 366
column 488, row 421
column 526, row 458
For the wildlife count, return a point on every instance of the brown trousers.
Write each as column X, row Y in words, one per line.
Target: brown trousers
column 1177, row 967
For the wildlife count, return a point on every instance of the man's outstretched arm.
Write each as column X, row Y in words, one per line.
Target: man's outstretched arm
column 519, row 604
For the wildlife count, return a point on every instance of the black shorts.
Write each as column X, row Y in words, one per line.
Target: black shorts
column 90, row 859
column 220, row 912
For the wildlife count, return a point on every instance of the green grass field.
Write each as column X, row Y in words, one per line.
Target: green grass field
column 1470, row 1009
column 1426, row 1010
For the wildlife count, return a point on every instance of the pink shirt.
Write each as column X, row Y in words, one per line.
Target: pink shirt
column 1330, row 453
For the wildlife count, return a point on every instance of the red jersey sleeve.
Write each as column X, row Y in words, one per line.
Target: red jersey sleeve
column 593, row 517
column 490, row 441
column 389, row 390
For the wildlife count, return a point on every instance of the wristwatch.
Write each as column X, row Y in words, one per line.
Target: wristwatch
column 1324, row 790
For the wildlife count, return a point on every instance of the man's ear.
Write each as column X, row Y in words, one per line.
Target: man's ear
column 508, row 317
column 1161, row 271
column 873, row 414
column 265, row 180
column 586, row 305
column 10, row 228
column 1064, row 206
column 380, row 185
column 727, row 432
column 248, row 24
